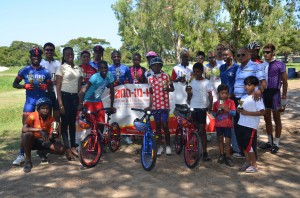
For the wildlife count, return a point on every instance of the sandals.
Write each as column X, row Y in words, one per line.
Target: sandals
column 69, row 155
column 74, row 152
column 251, row 169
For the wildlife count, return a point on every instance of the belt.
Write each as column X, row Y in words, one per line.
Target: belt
column 68, row 94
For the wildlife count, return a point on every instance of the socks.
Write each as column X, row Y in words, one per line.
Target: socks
column 21, row 151
column 276, row 141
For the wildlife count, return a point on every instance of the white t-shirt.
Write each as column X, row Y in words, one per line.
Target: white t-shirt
column 50, row 66
column 180, row 71
column 70, row 77
column 200, row 89
column 251, row 105
column 220, row 62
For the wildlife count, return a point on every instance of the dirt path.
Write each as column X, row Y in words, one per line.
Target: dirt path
column 120, row 174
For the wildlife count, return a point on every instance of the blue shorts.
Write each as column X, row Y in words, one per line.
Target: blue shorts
column 30, row 104
column 221, row 131
column 162, row 116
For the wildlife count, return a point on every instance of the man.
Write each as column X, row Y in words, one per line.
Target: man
column 51, row 65
column 182, row 72
column 276, row 77
column 254, row 48
column 37, row 133
column 98, row 56
column 219, row 52
column 36, row 81
column 212, row 71
column 247, row 68
column 200, row 57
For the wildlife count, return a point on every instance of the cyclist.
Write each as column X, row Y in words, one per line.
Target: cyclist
column 254, row 48
column 87, row 69
column 37, row 133
column 93, row 91
column 137, row 71
column 98, row 56
column 149, row 56
column 36, row 80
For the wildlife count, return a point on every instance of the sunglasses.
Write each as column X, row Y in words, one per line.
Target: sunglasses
column 49, row 50
column 212, row 57
column 266, row 52
column 241, row 55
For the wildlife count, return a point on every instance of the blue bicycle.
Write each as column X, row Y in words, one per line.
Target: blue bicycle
column 149, row 147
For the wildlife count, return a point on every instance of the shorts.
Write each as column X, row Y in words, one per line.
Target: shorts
column 94, row 106
column 52, row 97
column 199, row 115
column 246, row 137
column 271, row 99
column 39, row 144
column 162, row 116
column 30, row 104
column 221, row 131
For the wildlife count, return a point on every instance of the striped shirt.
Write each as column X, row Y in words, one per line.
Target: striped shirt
column 251, row 69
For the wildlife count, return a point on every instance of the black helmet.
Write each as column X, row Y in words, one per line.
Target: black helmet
column 35, row 51
column 156, row 60
column 43, row 101
column 253, row 45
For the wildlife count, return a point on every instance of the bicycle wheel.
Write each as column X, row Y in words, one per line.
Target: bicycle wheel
column 193, row 150
column 114, row 137
column 90, row 151
column 178, row 140
column 148, row 152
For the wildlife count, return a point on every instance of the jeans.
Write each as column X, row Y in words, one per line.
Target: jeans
column 234, row 143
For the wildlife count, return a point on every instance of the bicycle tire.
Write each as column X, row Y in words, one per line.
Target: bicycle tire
column 149, row 153
column 178, row 140
column 89, row 156
column 114, row 137
column 193, row 151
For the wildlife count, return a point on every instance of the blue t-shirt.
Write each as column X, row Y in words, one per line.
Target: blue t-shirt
column 251, row 69
column 98, row 85
column 228, row 76
column 35, row 76
column 122, row 71
column 94, row 65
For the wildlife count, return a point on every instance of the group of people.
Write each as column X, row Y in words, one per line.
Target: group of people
column 58, row 90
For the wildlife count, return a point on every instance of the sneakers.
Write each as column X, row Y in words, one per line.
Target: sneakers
column 265, row 146
column 238, row 155
column 27, row 167
column 168, row 150
column 244, row 167
column 43, row 156
column 221, row 159
column 205, row 157
column 160, row 150
column 274, row 149
column 20, row 159
column 229, row 162
column 251, row 169
column 128, row 140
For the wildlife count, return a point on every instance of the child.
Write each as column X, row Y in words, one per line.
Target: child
column 248, row 124
column 93, row 91
column 223, row 110
column 87, row 69
column 137, row 71
column 200, row 98
column 160, row 86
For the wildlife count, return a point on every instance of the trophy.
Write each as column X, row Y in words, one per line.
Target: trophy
column 54, row 126
column 30, row 79
column 40, row 80
column 53, row 77
column 188, row 86
column 83, row 78
column 135, row 77
column 220, row 102
column 165, row 84
column 118, row 73
column 240, row 106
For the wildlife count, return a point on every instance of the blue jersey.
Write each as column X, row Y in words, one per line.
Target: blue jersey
column 228, row 76
column 98, row 85
column 34, row 76
column 94, row 65
column 122, row 73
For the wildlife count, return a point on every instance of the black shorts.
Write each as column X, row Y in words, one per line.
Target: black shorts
column 39, row 144
column 246, row 137
column 271, row 98
column 199, row 115
column 52, row 97
column 221, row 131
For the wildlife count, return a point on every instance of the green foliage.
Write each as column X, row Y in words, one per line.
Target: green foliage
column 6, row 83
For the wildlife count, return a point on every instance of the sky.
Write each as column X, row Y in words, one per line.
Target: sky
column 57, row 21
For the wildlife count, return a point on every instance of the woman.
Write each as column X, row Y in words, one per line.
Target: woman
column 68, row 79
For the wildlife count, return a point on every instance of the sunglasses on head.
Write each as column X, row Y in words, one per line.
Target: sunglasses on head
column 266, row 52
column 241, row 55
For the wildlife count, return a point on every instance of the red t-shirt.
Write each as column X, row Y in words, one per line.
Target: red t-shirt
column 224, row 119
column 35, row 121
column 87, row 71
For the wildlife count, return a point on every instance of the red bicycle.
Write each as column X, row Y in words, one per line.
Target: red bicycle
column 91, row 147
column 186, row 136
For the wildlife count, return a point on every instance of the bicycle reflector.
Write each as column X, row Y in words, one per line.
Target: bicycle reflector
column 140, row 125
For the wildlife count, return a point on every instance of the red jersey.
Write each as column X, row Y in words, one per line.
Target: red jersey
column 87, row 71
column 35, row 121
column 224, row 119
column 160, row 97
column 137, row 74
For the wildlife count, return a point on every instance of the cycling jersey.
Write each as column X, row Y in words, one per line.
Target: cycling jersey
column 137, row 74
column 88, row 71
column 121, row 73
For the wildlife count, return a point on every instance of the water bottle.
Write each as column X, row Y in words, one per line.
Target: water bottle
column 283, row 105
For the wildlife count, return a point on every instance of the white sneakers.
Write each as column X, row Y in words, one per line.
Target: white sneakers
column 128, row 140
column 20, row 159
column 161, row 150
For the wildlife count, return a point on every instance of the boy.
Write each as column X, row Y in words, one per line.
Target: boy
column 159, row 86
column 223, row 110
column 94, row 89
column 250, row 113
column 200, row 98
column 37, row 133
